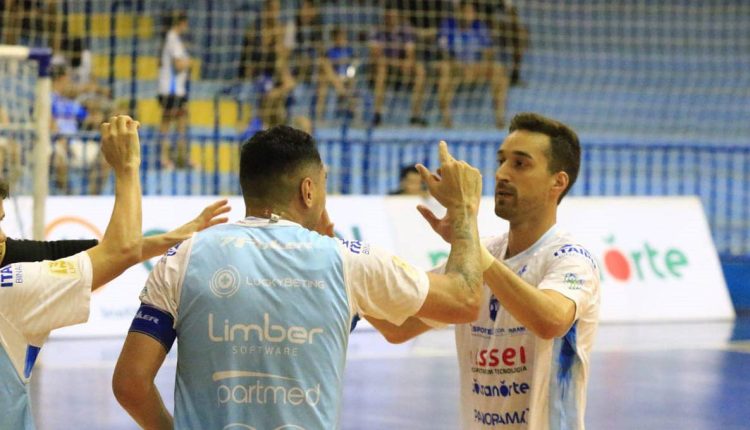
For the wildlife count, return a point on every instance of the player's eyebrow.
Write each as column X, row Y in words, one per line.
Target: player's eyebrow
column 516, row 153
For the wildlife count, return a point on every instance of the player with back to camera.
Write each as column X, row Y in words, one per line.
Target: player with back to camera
column 262, row 307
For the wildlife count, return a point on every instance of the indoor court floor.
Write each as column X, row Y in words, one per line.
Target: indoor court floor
column 687, row 376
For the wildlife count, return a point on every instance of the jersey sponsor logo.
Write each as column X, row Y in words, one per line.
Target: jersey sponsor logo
column 502, row 389
column 62, row 268
column 356, row 246
column 173, row 250
column 267, row 332
column 241, row 242
column 241, row 426
column 495, row 357
column 487, row 332
column 572, row 281
column 7, row 276
column 569, row 249
column 286, row 283
column 145, row 317
column 494, row 418
column 225, row 282
column 497, row 361
column 267, row 389
column 494, row 307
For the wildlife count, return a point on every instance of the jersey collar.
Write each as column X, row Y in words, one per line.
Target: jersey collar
column 533, row 248
column 253, row 221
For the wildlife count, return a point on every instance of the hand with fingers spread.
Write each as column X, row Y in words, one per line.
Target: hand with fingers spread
column 120, row 143
column 458, row 186
column 209, row 217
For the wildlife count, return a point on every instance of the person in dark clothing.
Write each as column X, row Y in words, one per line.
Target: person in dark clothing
column 410, row 183
column 18, row 251
column 27, row 251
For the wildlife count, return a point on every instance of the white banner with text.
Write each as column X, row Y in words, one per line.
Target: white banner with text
column 656, row 256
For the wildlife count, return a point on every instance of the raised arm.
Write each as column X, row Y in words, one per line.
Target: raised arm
column 210, row 216
column 454, row 296
column 122, row 243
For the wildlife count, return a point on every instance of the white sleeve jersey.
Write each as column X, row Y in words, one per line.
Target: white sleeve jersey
column 36, row 298
column 510, row 378
column 382, row 285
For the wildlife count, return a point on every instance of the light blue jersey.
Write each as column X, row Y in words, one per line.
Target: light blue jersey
column 262, row 313
column 14, row 397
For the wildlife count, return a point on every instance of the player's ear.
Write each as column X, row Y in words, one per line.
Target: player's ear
column 306, row 191
column 560, row 183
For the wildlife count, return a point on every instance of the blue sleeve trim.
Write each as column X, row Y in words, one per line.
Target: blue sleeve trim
column 156, row 323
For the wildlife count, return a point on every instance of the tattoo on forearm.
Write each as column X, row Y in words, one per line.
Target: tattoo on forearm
column 464, row 256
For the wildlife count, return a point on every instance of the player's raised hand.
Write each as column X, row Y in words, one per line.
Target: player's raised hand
column 120, row 143
column 441, row 226
column 209, row 217
column 456, row 184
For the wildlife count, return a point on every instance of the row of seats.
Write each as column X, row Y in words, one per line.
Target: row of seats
column 202, row 113
column 100, row 25
column 146, row 67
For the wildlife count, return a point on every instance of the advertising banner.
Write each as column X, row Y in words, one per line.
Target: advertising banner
column 656, row 255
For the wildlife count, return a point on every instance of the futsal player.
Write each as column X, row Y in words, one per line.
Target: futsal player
column 36, row 298
column 524, row 363
column 262, row 307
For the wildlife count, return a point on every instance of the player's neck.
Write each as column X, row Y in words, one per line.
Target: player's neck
column 271, row 213
column 525, row 233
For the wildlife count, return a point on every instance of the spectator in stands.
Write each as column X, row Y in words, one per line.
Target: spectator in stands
column 76, row 55
column 425, row 16
column 393, row 53
column 36, row 23
column 510, row 35
column 265, row 62
column 468, row 57
column 335, row 71
column 10, row 152
column 308, row 39
column 68, row 116
column 173, row 97
column 410, row 183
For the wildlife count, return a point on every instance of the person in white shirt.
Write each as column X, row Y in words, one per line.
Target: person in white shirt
column 524, row 362
column 173, row 97
column 36, row 298
column 261, row 308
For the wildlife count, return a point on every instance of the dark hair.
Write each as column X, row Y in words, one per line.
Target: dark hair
column 4, row 189
column 406, row 170
column 271, row 160
column 58, row 71
column 178, row 17
column 564, row 152
column 337, row 31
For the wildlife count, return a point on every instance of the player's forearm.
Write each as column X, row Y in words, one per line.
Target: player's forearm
column 534, row 309
column 410, row 329
column 148, row 410
column 124, row 237
column 156, row 245
column 464, row 258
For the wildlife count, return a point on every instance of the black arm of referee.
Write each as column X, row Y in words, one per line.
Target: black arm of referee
column 36, row 250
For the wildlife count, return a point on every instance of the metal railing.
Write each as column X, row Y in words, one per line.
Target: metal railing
column 718, row 175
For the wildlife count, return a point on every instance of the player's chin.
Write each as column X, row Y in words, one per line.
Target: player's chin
column 503, row 207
